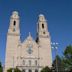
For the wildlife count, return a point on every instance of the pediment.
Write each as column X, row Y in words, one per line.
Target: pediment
column 29, row 41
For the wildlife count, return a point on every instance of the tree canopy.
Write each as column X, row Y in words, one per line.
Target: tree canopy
column 67, row 59
column 1, row 68
column 15, row 70
column 46, row 69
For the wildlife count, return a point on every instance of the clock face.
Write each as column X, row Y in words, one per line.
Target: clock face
column 14, row 30
column 29, row 50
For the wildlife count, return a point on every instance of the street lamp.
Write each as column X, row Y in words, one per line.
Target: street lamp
column 55, row 46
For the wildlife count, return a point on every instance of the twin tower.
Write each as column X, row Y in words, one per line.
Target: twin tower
column 30, row 55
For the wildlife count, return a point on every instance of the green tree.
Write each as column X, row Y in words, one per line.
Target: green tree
column 67, row 59
column 1, row 68
column 9, row 70
column 58, row 61
column 46, row 69
column 15, row 70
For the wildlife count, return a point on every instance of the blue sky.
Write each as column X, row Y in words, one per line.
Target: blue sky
column 57, row 12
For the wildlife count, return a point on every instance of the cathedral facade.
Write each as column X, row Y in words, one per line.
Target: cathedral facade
column 30, row 55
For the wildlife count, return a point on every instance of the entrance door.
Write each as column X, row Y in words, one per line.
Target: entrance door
column 30, row 70
column 23, row 70
column 36, row 70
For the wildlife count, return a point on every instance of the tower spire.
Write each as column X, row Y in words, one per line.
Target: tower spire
column 29, row 34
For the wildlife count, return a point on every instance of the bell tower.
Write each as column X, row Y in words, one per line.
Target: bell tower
column 44, row 41
column 42, row 27
column 13, row 38
column 14, row 24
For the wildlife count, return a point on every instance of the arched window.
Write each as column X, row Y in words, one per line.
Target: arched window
column 23, row 62
column 42, row 25
column 29, row 62
column 36, row 70
column 14, row 23
column 30, row 70
column 36, row 62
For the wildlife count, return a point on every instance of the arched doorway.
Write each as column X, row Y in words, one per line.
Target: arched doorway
column 30, row 70
column 36, row 70
column 23, row 70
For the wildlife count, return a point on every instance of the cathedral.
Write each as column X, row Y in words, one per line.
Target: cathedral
column 30, row 55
